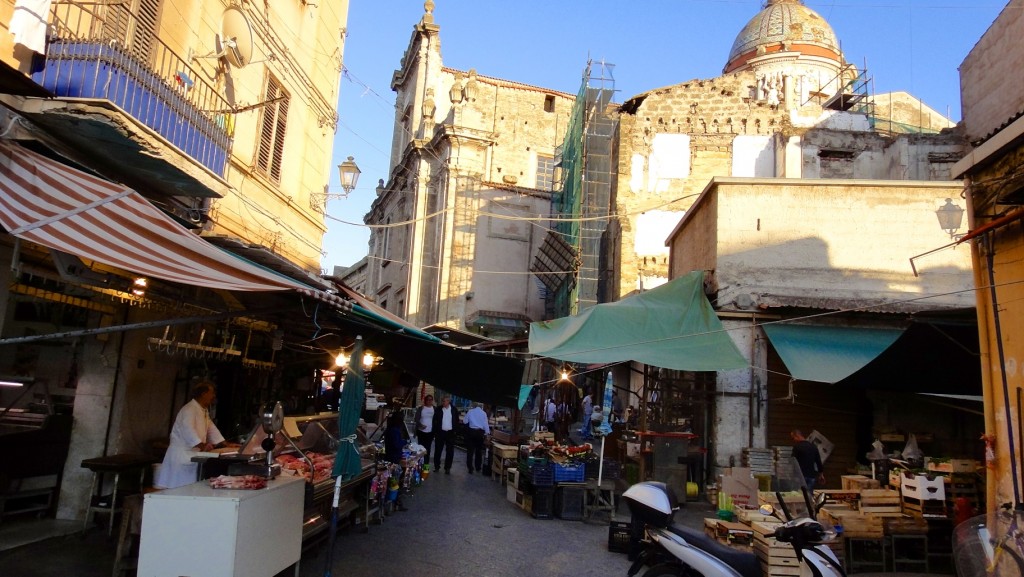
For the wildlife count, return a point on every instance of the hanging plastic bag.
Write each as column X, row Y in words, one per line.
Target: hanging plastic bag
column 912, row 453
column 877, row 452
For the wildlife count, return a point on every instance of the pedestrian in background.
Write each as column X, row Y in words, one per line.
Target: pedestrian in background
column 809, row 459
column 445, row 418
column 549, row 414
column 588, row 409
column 425, row 424
column 617, row 408
column 477, row 429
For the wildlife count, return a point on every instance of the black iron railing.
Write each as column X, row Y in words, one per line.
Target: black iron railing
column 108, row 51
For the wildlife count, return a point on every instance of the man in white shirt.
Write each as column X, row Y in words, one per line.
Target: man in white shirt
column 549, row 415
column 193, row 431
column 445, row 418
column 477, row 428
column 425, row 424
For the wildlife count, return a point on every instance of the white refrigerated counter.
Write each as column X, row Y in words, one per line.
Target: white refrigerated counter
column 198, row 531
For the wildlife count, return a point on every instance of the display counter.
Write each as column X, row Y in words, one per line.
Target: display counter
column 198, row 530
column 316, row 438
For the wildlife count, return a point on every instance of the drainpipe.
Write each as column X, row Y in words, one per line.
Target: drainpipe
column 1010, row 441
column 984, row 342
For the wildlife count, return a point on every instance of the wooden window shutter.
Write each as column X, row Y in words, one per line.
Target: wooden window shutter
column 270, row 152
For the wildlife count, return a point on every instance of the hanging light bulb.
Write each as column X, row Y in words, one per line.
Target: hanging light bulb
column 368, row 360
column 340, row 360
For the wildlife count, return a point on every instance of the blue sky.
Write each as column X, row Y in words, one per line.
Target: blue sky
column 910, row 45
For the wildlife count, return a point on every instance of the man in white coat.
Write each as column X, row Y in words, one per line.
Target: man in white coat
column 193, row 431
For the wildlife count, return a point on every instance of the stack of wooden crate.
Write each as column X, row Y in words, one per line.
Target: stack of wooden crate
column 885, row 501
column 777, row 559
column 759, row 460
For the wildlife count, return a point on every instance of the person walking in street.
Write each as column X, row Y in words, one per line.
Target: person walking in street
column 618, row 410
column 425, row 424
column 588, row 409
column 445, row 418
column 477, row 429
column 549, row 414
column 809, row 459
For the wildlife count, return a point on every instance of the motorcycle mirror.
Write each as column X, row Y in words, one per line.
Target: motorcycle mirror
column 766, row 509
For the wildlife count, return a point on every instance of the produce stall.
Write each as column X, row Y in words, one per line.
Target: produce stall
column 550, row 480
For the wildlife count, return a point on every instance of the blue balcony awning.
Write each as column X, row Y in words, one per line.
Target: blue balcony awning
column 828, row 354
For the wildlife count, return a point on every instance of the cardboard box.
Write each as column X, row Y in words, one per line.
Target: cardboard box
column 824, row 445
column 740, row 486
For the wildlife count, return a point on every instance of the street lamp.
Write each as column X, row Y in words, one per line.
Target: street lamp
column 348, row 172
column 950, row 217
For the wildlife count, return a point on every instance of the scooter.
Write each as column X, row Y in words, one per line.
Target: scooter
column 673, row 550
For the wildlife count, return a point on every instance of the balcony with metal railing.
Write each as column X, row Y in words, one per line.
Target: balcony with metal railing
column 109, row 52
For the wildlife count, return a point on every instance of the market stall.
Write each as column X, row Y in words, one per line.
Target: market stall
column 304, row 447
column 202, row 530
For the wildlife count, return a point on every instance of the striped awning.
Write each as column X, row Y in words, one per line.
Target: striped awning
column 54, row 205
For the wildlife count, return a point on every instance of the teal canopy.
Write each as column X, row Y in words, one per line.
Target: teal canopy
column 827, row 354
column 672, row 326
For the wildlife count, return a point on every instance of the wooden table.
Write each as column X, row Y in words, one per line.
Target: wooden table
column 116, row 464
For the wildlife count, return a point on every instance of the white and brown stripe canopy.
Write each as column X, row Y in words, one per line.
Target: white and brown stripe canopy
column 54, row 205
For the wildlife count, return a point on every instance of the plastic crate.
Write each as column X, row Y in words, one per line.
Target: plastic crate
column 542, row 476
column 618, row 536
column 543, row 503
column 569, row 502
column 570, row 473
column 612, row 470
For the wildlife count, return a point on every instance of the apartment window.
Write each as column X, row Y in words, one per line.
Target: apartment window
column 269, row 155
column 545, row 172
column 132, row 25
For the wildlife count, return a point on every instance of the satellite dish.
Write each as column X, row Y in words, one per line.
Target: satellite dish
column 235, row 40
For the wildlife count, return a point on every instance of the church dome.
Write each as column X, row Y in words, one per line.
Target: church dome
column 784, row 26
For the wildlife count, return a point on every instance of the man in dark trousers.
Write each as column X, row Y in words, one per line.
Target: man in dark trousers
column 425, row 424
column 446, row 418
column 809, row 459
column 477, row 430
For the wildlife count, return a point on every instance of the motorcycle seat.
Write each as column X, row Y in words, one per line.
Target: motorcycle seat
column 746, row 564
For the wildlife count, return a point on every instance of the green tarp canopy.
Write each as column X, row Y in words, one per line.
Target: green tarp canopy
column 672, row 326
column 827, row 354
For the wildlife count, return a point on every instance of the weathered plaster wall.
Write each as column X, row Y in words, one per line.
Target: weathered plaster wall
column 991, row 86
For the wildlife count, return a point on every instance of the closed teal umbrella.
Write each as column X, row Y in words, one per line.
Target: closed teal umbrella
column 346, row 464
column 350, row 406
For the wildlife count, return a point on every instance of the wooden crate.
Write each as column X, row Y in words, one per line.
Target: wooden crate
column 749, row 516
column 711, row 527
column 840, row 495
column 880, row 501
column 734, row 533
column 856, row 524
column 776, row 558
column 859, row 482
column 504, row 451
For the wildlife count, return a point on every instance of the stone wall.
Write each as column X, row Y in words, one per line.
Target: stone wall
column 991, row 86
